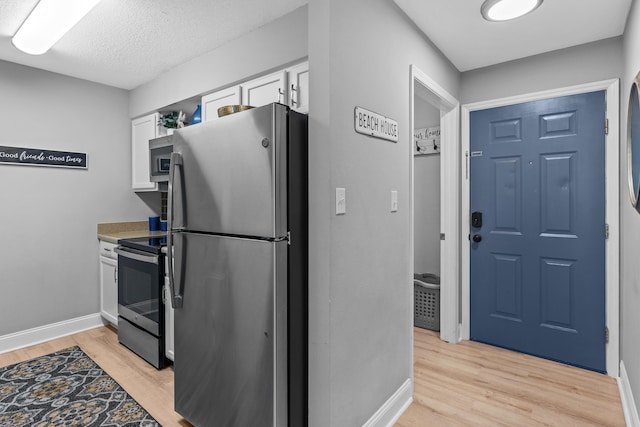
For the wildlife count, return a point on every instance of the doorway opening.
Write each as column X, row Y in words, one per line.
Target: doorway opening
column 426, row 212
column 434, row 245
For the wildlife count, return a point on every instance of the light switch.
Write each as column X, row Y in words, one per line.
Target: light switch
column 341, row 201
column 394, row 200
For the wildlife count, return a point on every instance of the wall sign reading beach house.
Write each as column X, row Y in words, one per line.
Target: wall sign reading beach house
column 38, row 157
column 373, row 124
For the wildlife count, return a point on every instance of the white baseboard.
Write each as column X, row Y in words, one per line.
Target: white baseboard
column 393, row 408
column 626, row 395
column 49, row 332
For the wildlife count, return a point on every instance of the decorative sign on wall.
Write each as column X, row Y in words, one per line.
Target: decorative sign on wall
column 427, row 140
column 373, row 124
column 38, row 157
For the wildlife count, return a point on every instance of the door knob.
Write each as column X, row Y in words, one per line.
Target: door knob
column 477, row 238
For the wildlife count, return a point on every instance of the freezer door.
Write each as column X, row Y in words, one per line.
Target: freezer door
column 232, row 176
column 230, row 335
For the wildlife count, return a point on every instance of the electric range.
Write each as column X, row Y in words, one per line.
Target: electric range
column 140, row 305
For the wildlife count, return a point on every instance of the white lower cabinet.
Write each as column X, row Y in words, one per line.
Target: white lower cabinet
column 168, row 316
column 109, row 282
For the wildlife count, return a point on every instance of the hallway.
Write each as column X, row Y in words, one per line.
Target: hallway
column 472, row 384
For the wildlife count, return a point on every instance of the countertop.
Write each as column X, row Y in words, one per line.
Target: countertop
column 114, row 231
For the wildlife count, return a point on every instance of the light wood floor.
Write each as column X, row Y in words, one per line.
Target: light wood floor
column 153, row 389
column 472, row 384
column 466, row 384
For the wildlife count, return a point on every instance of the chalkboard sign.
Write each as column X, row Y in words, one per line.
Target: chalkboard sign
column 38, row 157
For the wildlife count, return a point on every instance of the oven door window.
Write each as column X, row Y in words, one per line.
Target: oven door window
column 139, row 292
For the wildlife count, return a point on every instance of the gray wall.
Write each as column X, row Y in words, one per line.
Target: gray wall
column 587, row 63
column 629, row 219
column 360, row 53
column 426, row 208
column 49, row 250
column 281, row 42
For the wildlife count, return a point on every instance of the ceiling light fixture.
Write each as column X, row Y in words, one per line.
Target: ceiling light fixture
column 48, row 22
column 505, row 10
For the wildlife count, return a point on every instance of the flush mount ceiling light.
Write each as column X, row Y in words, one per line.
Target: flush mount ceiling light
column 504, row 10
column 48, row 22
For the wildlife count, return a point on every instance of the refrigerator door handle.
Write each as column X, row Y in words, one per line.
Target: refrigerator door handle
column 176, row 300
column 176, row 161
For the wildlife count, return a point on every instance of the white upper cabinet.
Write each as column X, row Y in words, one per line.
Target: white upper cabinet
column 142, row 130
column 299, row 87
column 265, row 90
column 289, row 87
column 213, row 101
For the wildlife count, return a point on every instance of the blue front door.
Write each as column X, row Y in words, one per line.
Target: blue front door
column 537, row 180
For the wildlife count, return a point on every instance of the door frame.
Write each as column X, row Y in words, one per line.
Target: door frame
column 449, row 201
column 612, row 205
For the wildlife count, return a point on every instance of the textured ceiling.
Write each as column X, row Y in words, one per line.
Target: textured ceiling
column 470, row 42
column 125, row 43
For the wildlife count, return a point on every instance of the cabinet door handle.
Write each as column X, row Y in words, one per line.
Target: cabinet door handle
column 280, row 95
column 115, row 274
column 293, row 92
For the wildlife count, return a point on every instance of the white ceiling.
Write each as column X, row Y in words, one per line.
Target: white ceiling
column 125, row 43
column 470, row 42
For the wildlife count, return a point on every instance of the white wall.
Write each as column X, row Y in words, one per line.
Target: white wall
column 586, row 63
column 426, row 171
column 281, row 42
column 360, row 345
column 629, row 219
column 49, row 249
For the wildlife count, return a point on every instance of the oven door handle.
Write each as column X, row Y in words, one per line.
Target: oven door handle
column 176, row 300
column 137, row 256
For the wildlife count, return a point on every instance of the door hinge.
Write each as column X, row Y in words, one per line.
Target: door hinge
column 606, row 335
column 606, row 126
column 606, row 231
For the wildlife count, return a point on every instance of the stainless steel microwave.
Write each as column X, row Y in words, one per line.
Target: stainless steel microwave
column 160, row 158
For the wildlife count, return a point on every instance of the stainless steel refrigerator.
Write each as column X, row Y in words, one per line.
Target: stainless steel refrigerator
column 237, row 213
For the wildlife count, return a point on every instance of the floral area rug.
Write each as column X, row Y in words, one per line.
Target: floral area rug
column 68, row 389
